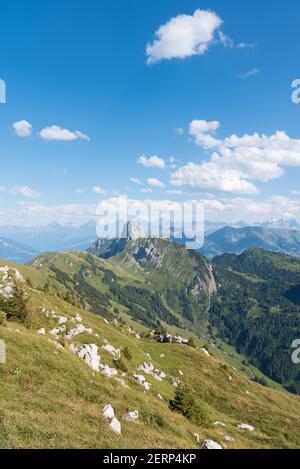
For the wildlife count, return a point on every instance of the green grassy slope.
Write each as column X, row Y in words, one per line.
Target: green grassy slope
column 50, row 398
column 154, row 280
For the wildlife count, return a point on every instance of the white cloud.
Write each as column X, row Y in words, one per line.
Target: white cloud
column 155, row 183
column 250, row 73
column 29, row 213
column 136, row 181
column 227, row 210
column 79, row 190
column 252, row 211
column 152, row 162
column 25, row 191
column 22, row 128
column 179, row 131
column 210, row 176
column 225, row 40
column 184, row 36
column 236, row 162
column 98, row 190
column 174, row 192
column 146, row 191
column 55, row 132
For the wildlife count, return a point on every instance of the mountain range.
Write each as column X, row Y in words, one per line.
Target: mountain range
column 57, row 237
column 237, row 240
column 15, row 251
column 52, row 237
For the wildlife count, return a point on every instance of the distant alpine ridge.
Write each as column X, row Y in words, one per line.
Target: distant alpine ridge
column 236, row 240
column 16, row 252
column 220, row 237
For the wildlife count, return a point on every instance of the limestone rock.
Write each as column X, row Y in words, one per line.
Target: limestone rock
column 210, row 444
column 113, row 351
column 132, row 416
column 115, row 425
column 246, row 427
column 108, row 412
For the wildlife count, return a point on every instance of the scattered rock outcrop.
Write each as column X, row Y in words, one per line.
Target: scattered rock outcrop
column 109, row 413
column 78, row 330
column 132, row 416
column 88, row 353
column 210, row 444
column 246, row 427
column 140, row 379
column 112, row 350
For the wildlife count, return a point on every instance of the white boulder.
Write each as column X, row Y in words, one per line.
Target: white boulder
column 147, row 368
column 78, row 330
column 88, row 353
column 113, row 351
column 115, row 425
column 210, row 444
column 107, row 371
column 62, row 320
column 132, row 416
column 159, row 375
column 58, row 330
column 246, row 427
column 175, row 382
column 108, row 412
column 140, row 379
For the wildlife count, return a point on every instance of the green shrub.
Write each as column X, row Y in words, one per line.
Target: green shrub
column 185, row 403
column 16, row 307
column 150, row 417
column 127, row 354
column 191, row 343
column 2, row 318
column 121, row 365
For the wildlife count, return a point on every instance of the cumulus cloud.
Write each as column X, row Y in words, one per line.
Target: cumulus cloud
column 57, row 133
column 36, row 214
column 210, row 176
column 22, row 128
column 153, row 182
column 152, row 162
column 184, row 36
column 239, row 208
column 136, row 181
column 24, row 191
column 99, row 191
column 235, row 161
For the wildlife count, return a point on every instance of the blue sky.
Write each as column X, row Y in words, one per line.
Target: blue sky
column 82, row 66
